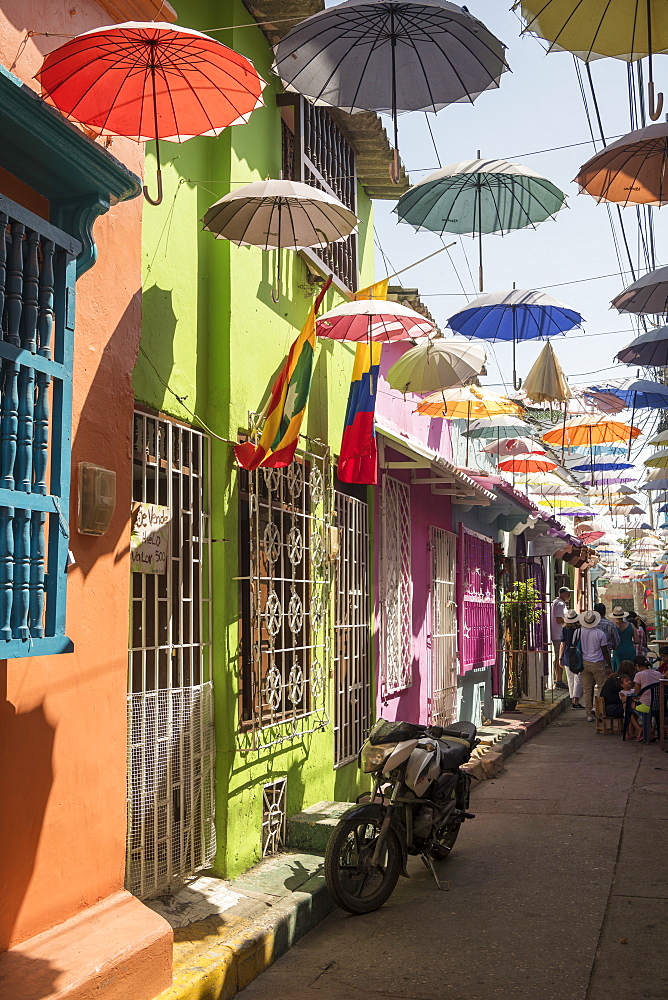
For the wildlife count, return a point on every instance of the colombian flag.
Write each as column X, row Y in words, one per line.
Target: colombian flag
column 358, row 459
column 287, row 402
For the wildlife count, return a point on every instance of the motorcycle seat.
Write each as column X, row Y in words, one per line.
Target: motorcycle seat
column 462, row 731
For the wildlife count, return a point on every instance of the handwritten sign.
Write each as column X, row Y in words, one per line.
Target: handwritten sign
column 149, row 538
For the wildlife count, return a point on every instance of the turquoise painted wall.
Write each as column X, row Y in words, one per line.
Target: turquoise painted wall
column 213, row 341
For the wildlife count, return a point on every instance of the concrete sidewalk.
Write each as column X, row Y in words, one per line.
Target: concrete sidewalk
column 558, row 889
column 227, row 932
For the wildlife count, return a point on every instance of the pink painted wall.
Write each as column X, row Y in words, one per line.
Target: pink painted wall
column 395, row 412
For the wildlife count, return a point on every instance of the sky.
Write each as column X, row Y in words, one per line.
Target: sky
column 537, row 107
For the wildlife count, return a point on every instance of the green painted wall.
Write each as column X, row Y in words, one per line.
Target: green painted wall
column 212, row 343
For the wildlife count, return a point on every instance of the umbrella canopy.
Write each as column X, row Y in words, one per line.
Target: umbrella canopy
column 478, row 197
column 602, row 466
column 373, row 319
column 514, row 315
column 659, row 459
column 589, row 537
column 499, row 426
column 438, row 364
column 597, row 449
column 546, row 381
column 618, row 29
column 661, row 438
column 467, row 402
column 285, row 215
column 590, row 430
column 151, row 80
column 550, row 486
column 656, row 480
column 511, row 446
column 650, row 349
column 390, row 55
column 641, row 394
column 648, row 294
column 533, row 462
column 630, row 171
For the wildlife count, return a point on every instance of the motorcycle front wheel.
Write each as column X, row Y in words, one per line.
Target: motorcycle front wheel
column 354, row 883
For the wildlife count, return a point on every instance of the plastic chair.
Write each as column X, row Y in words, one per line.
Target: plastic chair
column 604, row 723
column 654, row 711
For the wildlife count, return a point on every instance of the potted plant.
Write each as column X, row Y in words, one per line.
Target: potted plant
column 522, row 610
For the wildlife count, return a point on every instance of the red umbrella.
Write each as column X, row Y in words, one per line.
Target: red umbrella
column 150, row 80
column 533, row 462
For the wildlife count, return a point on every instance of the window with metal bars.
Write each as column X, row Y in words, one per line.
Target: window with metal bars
column 315, row 151
column 396, row 600
column 37, row 275
column 171, row 748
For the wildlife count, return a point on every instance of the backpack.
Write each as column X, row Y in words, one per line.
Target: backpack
column 574, row 654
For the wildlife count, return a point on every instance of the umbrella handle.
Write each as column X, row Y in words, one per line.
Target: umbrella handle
column 654, row 110
column 154, row 201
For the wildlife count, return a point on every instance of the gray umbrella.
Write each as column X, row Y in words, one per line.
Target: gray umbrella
column 390, row 55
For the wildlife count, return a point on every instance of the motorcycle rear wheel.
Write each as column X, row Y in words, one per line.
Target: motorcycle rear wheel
column 352, row 882
column 446, row 842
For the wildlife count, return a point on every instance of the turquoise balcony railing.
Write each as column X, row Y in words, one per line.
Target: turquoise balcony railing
column 37, row 275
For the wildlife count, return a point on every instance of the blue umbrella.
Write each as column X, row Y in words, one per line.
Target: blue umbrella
column 597, row 449
column 514, row 315
column 601, row 466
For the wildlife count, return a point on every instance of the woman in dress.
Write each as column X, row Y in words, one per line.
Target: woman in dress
column 628, row 637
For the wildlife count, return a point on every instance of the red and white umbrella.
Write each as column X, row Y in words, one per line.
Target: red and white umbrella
column 373, row 319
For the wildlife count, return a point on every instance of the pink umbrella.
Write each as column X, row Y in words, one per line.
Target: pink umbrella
column 379, row 320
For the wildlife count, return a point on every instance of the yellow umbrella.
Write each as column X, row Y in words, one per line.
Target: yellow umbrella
column 467, row 402
column 546, row 381
column 589, row 430
column 659, row 460
column 618, row 29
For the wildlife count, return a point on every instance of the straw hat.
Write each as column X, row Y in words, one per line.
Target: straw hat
column 589, row 619
column 619, row 613
column 571, row 616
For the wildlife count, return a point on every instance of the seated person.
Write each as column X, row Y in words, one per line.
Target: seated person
column 662, row 665
column 646, row 675
column 634, row 729
column 610, row 692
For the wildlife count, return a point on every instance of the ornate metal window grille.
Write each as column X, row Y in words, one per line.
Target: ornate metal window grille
column 171, row 751
column 273, row 816
column 443, row 626
column 352, row 678
column 37, row 275
column 396, row 590
column 477, row 600
column 286, row 577
column 318, row 153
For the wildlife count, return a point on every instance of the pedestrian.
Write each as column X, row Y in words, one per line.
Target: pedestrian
column 626, row 650
column 557, row 611
column 571, row 625
column 610, row 629
column 641, row 633
column 595, row 658
column 611, row 692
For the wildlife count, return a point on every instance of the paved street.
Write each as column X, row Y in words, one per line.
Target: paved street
column 558, row 891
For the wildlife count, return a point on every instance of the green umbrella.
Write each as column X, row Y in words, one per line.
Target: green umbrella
column 503, row 426
column 477, row 197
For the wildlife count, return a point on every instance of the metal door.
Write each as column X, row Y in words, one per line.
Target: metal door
column 396, row 601
column 171, row 752
column 477, row 600
column 352, row 679
column 443, row 626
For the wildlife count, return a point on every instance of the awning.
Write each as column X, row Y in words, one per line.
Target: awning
column 427, row 468
column 511, row 509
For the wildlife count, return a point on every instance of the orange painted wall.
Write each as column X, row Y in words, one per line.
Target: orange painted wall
column 63, row 718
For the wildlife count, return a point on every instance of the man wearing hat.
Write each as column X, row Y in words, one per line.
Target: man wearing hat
column 557, row 612
column 595, row 658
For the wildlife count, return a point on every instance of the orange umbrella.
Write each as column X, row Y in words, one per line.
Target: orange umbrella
column 533, row 462
column 631, row 171
column 466, row 402
column 590, row 430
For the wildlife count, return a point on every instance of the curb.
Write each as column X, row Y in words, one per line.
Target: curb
column 216, row 957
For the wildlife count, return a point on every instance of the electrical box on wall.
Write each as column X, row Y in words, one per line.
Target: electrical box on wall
column 97, row 498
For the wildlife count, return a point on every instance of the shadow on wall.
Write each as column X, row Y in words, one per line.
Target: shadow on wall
column 26, row 777
column 104, row 434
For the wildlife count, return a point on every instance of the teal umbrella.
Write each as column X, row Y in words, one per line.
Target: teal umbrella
column 477, row 197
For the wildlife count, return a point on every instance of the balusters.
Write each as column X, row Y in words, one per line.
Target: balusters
column 4, row 219
column 14, row 292
column 6, row 571
column 30, row 292
column 36, row 585
column 21, row 602
column 44, row 331
column 10, row 397
column 28, row 334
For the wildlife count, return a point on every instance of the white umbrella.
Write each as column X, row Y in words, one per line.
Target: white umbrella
column 511, row 446
column 648, row 294
column 438, row 364
column 280, row 215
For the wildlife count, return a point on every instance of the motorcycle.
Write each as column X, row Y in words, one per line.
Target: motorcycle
column 419, row 801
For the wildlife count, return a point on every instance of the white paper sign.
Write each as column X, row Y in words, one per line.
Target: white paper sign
column 149, row 538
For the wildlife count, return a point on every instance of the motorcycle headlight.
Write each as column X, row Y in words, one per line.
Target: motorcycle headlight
column 371, row 758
